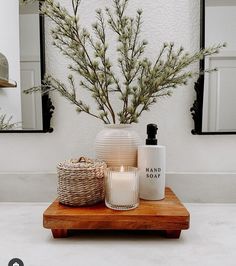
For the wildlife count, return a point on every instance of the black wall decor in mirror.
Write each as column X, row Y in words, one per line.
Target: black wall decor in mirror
column 214, row 111
column 23, row 46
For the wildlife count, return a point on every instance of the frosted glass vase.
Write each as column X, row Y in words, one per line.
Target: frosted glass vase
column 117, row 145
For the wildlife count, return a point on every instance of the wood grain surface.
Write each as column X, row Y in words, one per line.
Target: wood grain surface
column 168, row 215
column 6, row 84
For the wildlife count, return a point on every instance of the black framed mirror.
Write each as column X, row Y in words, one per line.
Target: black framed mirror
column 22, row 66
column 214, row 111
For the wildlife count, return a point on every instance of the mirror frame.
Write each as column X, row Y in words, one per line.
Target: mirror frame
column 47, row 106
column 197, row 108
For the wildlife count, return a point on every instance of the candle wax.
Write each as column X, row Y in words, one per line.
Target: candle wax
column 123, row 188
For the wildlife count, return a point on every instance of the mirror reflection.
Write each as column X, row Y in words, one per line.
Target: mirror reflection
column 21, row 66
column 219, row 109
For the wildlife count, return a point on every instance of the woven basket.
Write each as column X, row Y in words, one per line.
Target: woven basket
column 81, row 182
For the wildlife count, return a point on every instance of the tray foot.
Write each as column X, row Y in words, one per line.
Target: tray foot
column 59, row 233
column 172, row 233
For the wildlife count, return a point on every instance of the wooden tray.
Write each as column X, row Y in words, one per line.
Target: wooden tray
column 169, row 216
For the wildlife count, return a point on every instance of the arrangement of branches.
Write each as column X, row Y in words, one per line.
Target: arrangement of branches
column 5, row 123
column 142, row 82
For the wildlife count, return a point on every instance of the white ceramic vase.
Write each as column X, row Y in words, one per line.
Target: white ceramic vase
column 117, row 145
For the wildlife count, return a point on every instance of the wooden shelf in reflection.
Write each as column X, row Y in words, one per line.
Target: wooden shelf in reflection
column 6, row 84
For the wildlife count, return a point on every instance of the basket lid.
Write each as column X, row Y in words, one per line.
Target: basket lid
column 83, row 163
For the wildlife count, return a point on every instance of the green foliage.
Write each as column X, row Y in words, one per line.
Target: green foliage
column 143, row 81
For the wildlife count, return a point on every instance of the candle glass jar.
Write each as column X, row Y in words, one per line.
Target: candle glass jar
column 122, row 188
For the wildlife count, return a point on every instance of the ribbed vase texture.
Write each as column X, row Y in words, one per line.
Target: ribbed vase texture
column 117, row 145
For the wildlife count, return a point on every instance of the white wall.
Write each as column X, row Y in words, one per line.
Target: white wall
column 74, row 134
column 10, row 99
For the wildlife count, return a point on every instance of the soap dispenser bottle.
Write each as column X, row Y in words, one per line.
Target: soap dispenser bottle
column 151, row 164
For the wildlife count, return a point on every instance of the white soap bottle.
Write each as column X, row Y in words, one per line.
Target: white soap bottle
column 151, row 164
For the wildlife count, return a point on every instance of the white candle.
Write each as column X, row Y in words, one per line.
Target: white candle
column 123, row 188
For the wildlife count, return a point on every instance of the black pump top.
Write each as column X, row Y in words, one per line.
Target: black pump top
column 151, row 132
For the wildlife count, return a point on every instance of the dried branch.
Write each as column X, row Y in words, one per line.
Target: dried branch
column 143, row 81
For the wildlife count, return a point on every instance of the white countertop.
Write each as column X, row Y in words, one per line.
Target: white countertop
column 211, row 240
